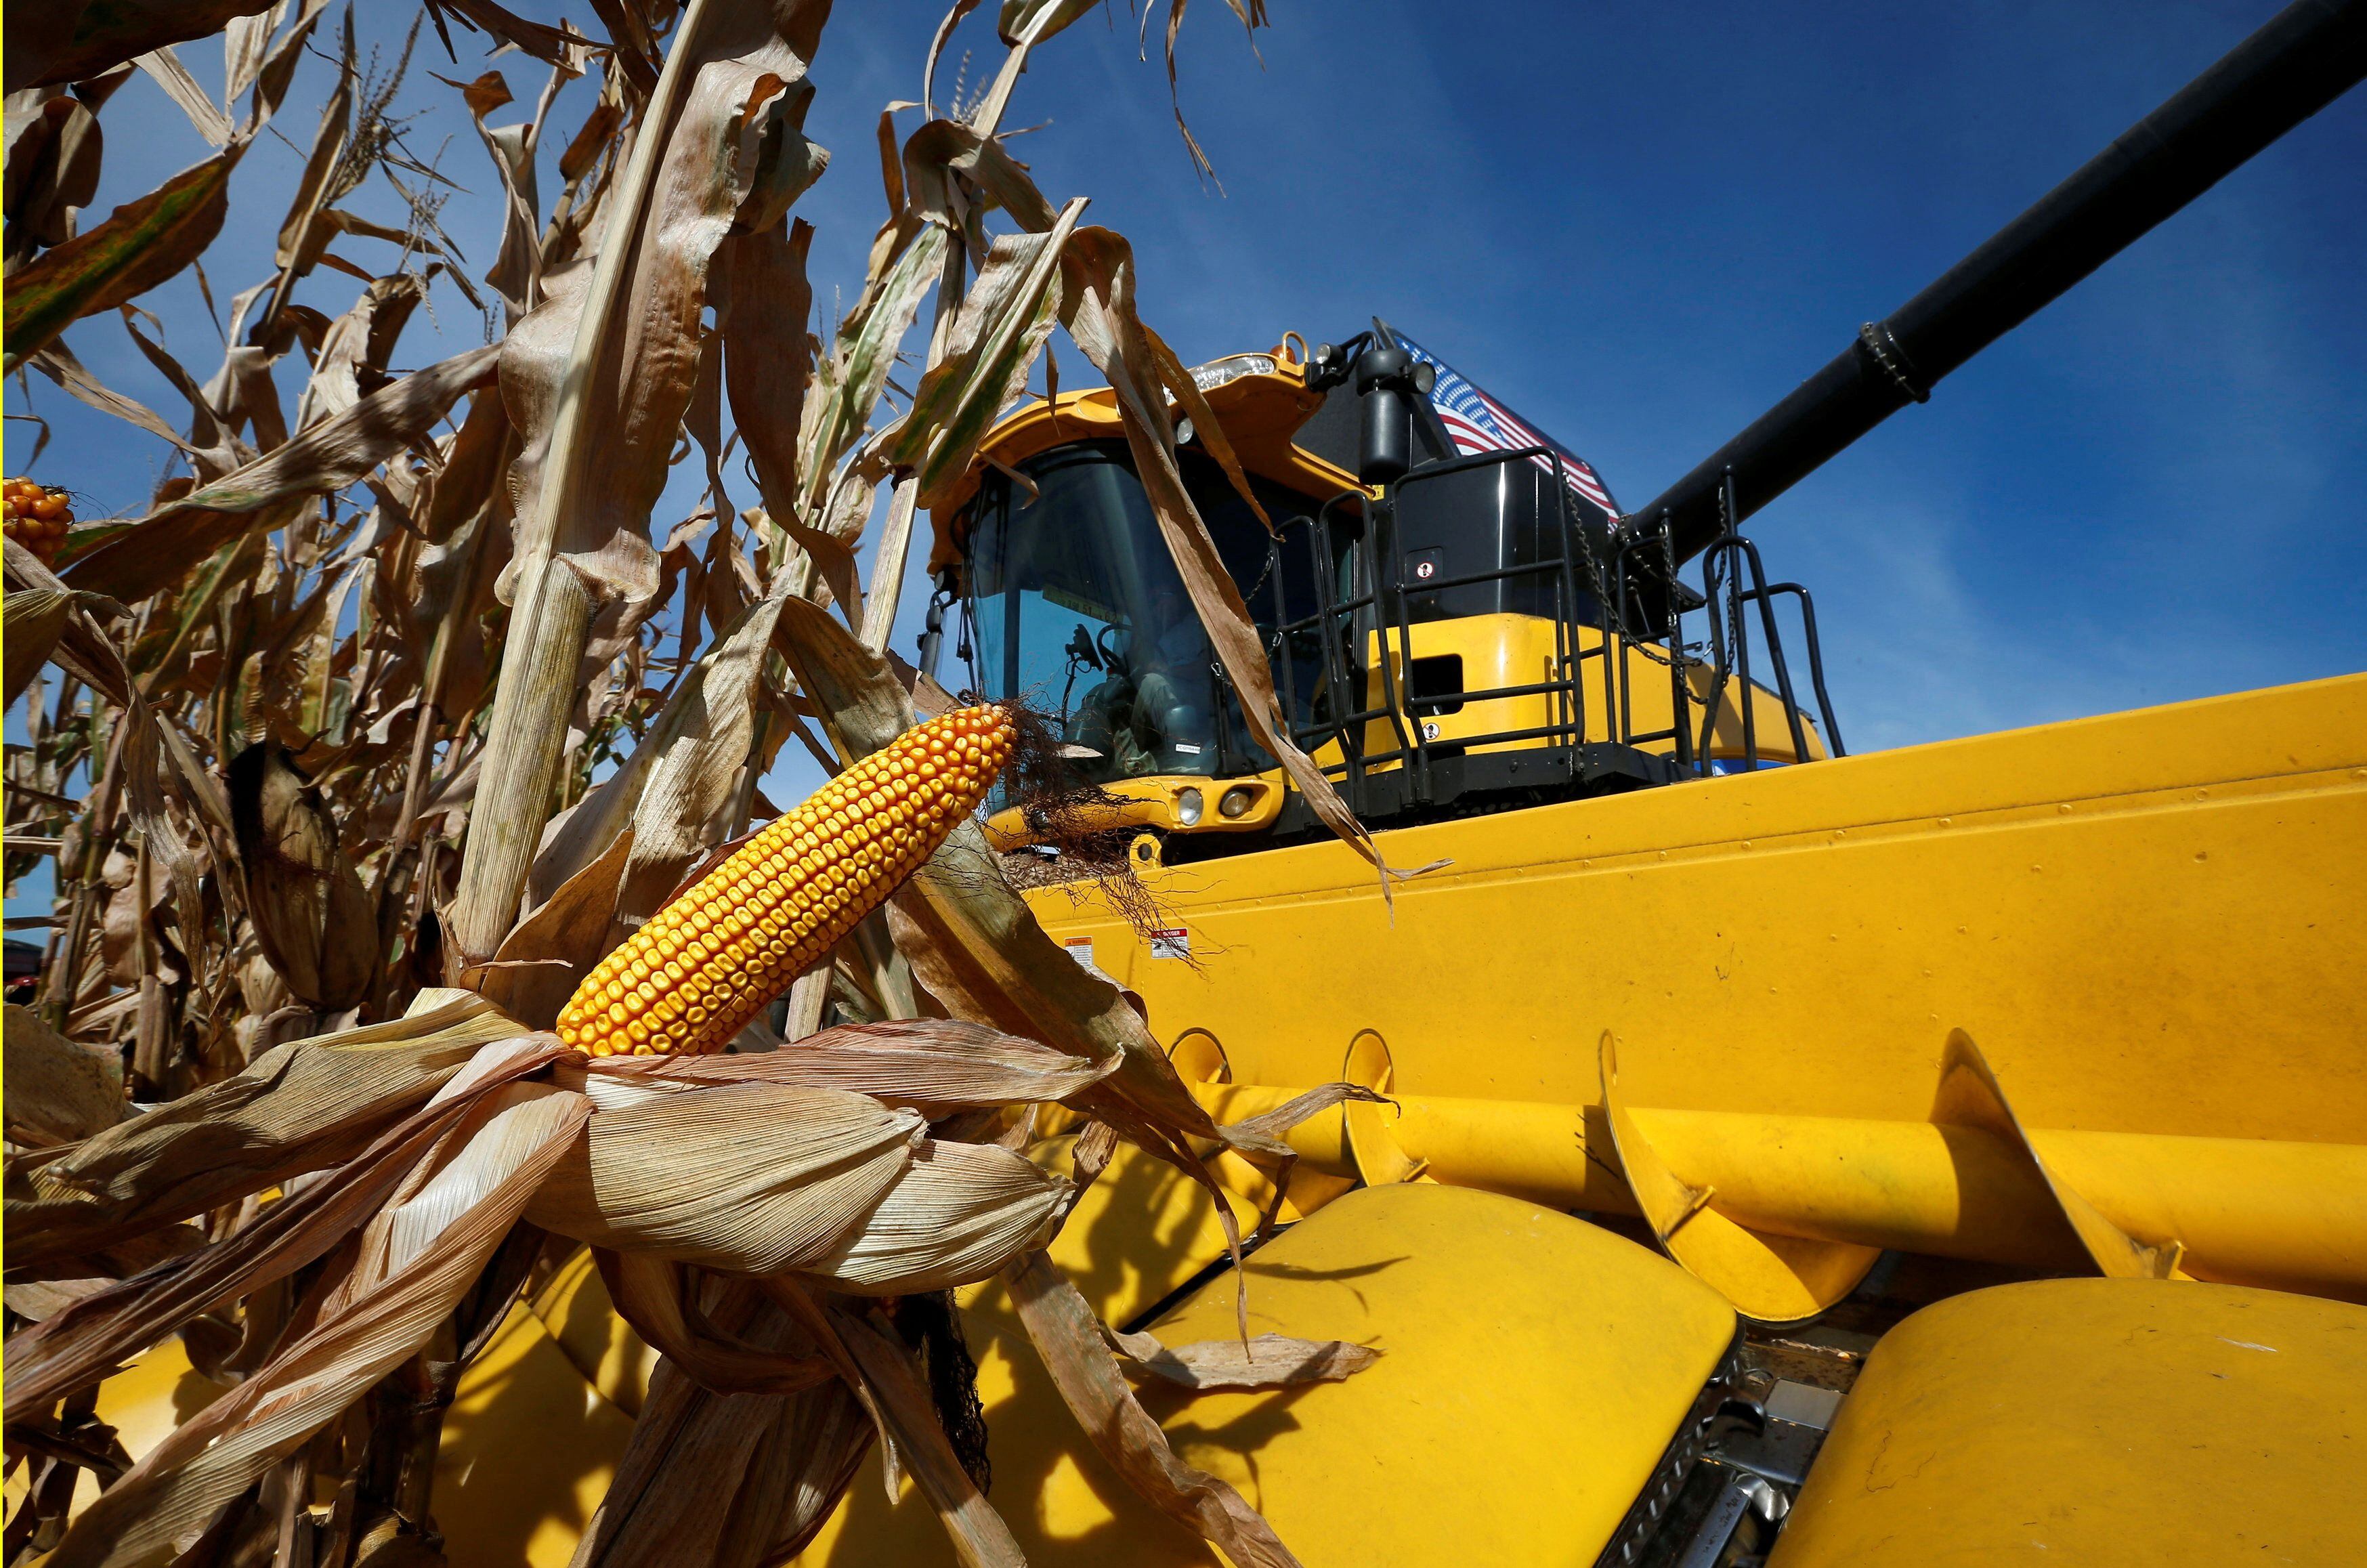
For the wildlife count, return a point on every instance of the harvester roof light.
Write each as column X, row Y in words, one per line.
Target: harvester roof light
column 1231, row 368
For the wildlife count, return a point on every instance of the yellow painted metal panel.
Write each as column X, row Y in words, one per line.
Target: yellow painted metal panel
column 528, row 1447
column 1500, row 1317
column 1502, row 652
column 2150, row 922
column 1535, row 1370
column 2100, row 1422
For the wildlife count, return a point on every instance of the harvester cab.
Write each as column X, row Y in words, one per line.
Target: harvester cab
column 1451, row 618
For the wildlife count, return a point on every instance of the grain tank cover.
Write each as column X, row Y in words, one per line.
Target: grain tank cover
column 1466, row 512
column 1473, row 422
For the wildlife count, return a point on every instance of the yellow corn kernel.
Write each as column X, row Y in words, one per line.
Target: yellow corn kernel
column 695, row 976
column 35, row 517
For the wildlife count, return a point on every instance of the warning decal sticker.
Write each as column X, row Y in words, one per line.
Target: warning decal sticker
column 1174, row 942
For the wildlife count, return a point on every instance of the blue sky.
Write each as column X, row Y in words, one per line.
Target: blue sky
column 1640, row 225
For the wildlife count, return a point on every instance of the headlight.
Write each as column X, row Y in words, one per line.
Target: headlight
column 1188, row 807
column 1235, row 802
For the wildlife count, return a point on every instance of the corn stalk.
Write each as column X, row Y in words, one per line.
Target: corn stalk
column 391, row 715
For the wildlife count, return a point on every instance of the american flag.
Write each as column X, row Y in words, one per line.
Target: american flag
column 1477, row 423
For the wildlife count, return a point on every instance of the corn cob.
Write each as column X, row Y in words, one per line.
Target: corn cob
column 35, row 517
column 693, row 977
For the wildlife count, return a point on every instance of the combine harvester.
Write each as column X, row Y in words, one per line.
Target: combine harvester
column 1949, row 1155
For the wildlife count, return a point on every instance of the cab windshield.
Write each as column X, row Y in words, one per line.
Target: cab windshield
column 1076, row 609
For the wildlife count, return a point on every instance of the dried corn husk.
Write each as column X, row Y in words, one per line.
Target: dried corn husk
column 752, row 1177
column 300, row 1106
column 957, row 1213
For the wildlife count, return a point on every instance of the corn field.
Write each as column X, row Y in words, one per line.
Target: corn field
column 393, row 763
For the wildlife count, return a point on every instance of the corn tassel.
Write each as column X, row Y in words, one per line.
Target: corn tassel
column 695, row 975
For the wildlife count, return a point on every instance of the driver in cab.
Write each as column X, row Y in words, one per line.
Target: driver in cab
column 1153, row 715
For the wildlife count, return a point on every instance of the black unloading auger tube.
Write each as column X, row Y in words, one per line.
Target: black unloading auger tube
column 2310, row 54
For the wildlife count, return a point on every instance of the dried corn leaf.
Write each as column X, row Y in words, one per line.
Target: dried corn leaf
column 71, row 40
column 246, row 42
column 1098, row 309
column 356, row 348
column 943, row 148
column 56, row 623
column 245, row 394
column 314, row 922
column 58, row 362
column 766, row 354
column 325, row 167
column 278, row 67
column 298, row 1107
column 79, row 1345
column 165, row 68
column 560, row 46
column 159, row 550
column 54, row 152
column 140, row 246
column 1035, row 20
column 214, row 450
column 1271, row 1360
column 37, row 618
column 1068, row 1336
column 516, row 272
column 542, row 961
column 899, row 1400
column 1005, row 320
column 420, row 1259
column 59, row 1091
